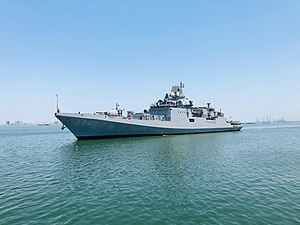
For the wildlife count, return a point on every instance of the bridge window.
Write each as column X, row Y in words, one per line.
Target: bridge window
column 192, row 120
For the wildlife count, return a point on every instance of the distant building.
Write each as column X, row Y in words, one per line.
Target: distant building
column 7, row 122
column 18, row 122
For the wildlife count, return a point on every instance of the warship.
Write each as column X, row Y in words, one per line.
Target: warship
column 173, row 115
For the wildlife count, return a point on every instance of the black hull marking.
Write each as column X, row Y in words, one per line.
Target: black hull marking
column 145, row 135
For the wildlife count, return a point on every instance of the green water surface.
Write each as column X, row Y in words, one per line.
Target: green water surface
column 247, row 177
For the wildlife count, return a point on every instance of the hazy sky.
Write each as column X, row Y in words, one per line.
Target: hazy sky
column 243, row 56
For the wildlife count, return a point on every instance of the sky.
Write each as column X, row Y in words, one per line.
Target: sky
column 242, row 56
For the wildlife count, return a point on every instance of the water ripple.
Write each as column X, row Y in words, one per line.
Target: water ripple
column 248, row 177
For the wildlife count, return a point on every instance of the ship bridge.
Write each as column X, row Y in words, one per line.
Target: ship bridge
column 174, row 105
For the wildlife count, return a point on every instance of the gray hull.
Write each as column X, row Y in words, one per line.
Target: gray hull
column 96, row 128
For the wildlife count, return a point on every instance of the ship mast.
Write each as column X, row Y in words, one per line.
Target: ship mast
column 181, row 87
column 57, row 109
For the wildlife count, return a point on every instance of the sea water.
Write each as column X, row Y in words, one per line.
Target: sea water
column 246, row 177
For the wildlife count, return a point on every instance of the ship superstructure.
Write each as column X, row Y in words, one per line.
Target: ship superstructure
column 175, row 114
column 176, row 106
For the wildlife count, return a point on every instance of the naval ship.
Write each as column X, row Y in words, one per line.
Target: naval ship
column 174, row 114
